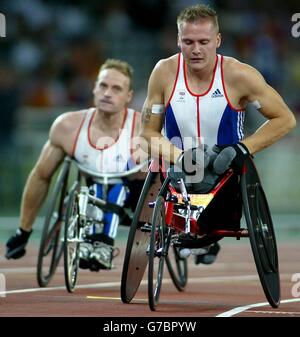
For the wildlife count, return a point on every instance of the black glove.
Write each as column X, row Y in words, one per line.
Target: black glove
column 230, row 156
column 210, row 177
column 193, row 160
column 190, row 166
column 197, row 169
column 15, row 246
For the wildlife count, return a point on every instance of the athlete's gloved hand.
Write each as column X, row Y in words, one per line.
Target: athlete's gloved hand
column 230, row 156
column 15, row 246
column 193, row 160
column 197, row 169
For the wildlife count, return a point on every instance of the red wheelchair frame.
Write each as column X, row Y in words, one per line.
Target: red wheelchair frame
column 178, row 222
column 171, row 224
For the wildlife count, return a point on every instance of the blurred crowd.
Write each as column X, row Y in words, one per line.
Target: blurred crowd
column 53, row 48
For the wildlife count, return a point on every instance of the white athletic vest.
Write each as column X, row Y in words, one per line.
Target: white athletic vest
column 100, row 157
column 208, row 118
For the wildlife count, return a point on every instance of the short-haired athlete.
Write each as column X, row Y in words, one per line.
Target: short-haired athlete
column 202, row 95
column 80, row 134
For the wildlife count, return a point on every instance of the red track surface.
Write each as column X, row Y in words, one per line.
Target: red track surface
column 231, row 282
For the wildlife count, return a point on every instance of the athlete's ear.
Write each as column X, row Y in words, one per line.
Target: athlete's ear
column 219, row 39
column 178, row 41
column 129, row 96
column 95, row 87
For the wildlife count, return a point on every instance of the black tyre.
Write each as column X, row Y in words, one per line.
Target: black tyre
column 136, row 259
column 261, row 233
column 157, row 252
column 72, row 239
column 51, row 245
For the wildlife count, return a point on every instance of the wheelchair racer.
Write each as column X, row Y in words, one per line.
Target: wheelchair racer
column 98, row 138
column 199, row 97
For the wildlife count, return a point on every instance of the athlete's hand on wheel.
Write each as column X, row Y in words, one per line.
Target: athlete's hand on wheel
column 193, row 160
column 230, row 156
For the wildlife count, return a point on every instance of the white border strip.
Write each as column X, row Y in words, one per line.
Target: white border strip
column 104, row 285
column 238, row 310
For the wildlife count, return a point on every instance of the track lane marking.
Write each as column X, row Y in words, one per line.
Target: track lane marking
column 238, row 310
column 275, row 312
column 104, row 285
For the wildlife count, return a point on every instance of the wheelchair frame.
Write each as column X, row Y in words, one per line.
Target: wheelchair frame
column 66, row 218
column 167, row 225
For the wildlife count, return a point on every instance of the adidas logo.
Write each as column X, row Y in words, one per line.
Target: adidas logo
column 217, row 93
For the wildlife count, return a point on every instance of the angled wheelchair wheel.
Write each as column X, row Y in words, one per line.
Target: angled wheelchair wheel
column 51, row 246
column 177, row 267
column 72, row 239
column 157, row 251
column 261, row 233
column 136, row 259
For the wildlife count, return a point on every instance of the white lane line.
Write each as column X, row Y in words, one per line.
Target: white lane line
column 24, row 270
column 275, row 312
column 82, row 286
column 238, row 310
column 104, row 285
column 213, row 279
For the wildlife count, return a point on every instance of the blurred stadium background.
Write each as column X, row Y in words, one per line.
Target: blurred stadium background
column 53, row 49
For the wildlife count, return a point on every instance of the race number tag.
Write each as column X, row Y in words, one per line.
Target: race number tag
column 199, row 200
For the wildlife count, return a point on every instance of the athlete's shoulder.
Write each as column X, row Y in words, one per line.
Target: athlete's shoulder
column 242, row 76
column 167, row 64
column 69, row 119
column 132, row 111
column 135, row 114
column 237, row 71
column 66, row 124
column 164, row 71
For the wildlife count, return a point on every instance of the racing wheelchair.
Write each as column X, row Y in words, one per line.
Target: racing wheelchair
column 72, row 209
column 179, row 220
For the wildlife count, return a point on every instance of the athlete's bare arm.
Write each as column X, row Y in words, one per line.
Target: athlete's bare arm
column 252, row 87
column 152, row 123
column 138, row 156
column 61, row 137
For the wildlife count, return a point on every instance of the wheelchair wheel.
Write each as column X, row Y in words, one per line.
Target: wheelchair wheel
column 157, row 252
column 71, row 239
column 135, row 260
column 51, row 246
column 177, row 267
column 261, row 233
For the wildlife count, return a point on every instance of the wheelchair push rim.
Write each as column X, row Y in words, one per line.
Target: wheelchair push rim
column 72, row 239
column 261, row 233
column 136, row 260
column 51, row 247
column 157, row 251
column 178, row 268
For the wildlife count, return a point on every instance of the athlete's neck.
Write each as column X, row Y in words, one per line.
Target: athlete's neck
column 105, row 120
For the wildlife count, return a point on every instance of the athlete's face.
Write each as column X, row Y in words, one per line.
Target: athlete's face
column 112, row 91
column 198, row 42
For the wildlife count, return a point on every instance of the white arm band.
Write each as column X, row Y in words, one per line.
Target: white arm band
column 158, row 109
column 256, row 104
